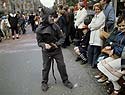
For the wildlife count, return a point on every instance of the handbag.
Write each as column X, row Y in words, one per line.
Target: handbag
column 104, row 35
column 107, row 51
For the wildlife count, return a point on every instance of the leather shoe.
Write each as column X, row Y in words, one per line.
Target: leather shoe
column 44, row 86
column 68, row 84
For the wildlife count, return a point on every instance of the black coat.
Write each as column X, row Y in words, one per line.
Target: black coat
column 13, row 20
column 62, row 22
column 49, row 34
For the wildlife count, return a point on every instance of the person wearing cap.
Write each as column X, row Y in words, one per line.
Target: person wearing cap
column 50, row 38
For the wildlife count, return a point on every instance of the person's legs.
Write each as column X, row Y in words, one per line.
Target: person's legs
column 33, row 27
column 90, row 54
column 97, row 51
column 12, row 30
column 17, row 32
column 103, row 70
column 45, row 70
column 62, row 69
column 76, row 49
column 46, row 66
column 109, row 70
column 116, row 85
column 61, row 65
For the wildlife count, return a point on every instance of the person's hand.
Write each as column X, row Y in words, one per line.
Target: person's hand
column 52, row 44
column 111, row 53
column 108, row 47
column 47, row 46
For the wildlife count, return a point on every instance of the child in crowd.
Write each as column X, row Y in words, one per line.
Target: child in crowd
column 81, row 48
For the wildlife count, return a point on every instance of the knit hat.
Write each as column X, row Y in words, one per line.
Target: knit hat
column 81, row 4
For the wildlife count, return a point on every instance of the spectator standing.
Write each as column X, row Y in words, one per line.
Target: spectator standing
column 13, row 20
column 109, row 14
column 95, row 42
column 37, row 21
column 32, row 21
column 5, row 27
column 79, row 20
column 71, row 27
column 21, row 23
column 62, row 22
column 80, row 16
column 67, row 41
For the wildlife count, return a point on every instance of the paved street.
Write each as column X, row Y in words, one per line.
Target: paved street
column 20, row 71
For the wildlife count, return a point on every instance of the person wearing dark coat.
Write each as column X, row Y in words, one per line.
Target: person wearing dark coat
column 81, row 49
column 32, row 21
column 62, row 22
column 109, row 14
column 13, row 20
column 50, row 39
column 71, row 27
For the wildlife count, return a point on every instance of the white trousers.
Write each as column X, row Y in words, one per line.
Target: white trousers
column 112, row 69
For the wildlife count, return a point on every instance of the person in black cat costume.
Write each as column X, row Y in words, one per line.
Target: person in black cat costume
column 50, row 38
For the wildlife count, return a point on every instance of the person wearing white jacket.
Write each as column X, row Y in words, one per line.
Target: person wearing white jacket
column 95, row 42
column 5, row 27
column 80, row 16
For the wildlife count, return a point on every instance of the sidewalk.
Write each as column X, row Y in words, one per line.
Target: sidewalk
column 91, row 72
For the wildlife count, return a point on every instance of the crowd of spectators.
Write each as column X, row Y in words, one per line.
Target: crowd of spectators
column 98, row 41
column 13, row 25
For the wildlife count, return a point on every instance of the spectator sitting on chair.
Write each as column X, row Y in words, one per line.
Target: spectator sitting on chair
column 112, row 66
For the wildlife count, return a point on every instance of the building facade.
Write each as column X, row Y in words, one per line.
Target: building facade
column 33, row 5
column 19, row 5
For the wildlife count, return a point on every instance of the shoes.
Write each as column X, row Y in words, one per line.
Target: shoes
column 78, row 59
column 44, row 86
column 97, row 76
column 115, row 92
column 109, row 91
column 13, row 37
column 17, row 36
column 102, row 79
column 68, row 84
column 83, row 62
